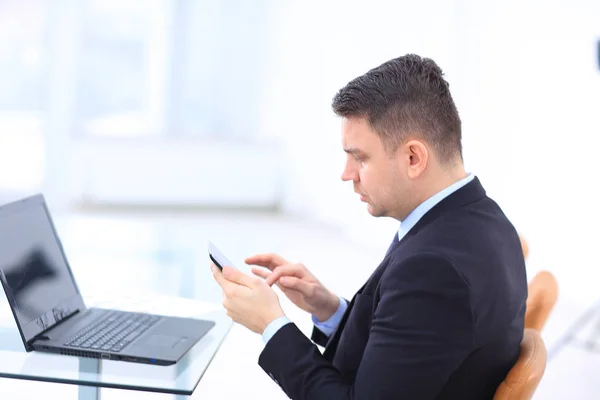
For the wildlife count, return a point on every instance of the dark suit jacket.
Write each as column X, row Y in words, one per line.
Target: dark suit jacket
column 440, row 318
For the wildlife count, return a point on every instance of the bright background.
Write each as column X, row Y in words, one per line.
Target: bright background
column 184, row 110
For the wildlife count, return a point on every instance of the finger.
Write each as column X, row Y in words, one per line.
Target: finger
column 227, row 286
column 236, row 276
column 218, row 275
column 261, row 272
column 293, row 283
column 296, row 270
column 270, row 260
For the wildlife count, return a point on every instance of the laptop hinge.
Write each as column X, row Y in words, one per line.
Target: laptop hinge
column 42, row 334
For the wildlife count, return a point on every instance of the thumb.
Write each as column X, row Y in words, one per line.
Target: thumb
column 291, row 282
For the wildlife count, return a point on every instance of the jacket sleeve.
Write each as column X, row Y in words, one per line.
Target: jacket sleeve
column 422, row 329
column 318, row 336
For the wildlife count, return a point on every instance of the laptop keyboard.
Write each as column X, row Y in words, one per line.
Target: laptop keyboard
column 112, row 331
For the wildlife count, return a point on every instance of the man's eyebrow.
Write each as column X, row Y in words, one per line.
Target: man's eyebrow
column 353, row 150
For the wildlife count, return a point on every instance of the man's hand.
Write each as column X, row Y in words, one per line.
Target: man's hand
column 249, row 301
column 298, row 284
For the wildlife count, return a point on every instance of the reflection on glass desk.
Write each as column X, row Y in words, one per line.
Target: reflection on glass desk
column 180, row 378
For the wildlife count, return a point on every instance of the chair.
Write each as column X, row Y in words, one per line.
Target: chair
column 542, row 296
column 524, row 377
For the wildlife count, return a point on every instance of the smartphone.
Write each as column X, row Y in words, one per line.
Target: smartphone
column 217, row 257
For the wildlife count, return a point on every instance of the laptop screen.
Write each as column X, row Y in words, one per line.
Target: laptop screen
column 35, row 274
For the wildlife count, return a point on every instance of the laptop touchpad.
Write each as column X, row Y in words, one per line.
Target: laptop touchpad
column 167, row 341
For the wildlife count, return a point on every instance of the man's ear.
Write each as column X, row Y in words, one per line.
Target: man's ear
column 417, row 156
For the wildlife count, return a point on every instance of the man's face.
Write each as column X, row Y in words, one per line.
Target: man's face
column 379, row 177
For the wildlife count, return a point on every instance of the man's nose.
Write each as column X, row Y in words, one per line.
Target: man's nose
column 349, row 174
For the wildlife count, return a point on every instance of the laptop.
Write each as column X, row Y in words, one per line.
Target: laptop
column 49, row 309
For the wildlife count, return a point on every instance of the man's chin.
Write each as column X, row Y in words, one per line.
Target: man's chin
column 375, row 212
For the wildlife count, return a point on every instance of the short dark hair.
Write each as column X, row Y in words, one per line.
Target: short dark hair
column 404, row 95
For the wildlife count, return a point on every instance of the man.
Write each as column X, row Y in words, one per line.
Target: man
column 442, row 316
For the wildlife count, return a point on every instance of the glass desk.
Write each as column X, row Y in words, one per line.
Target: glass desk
column 92, row 374
column 164, row 263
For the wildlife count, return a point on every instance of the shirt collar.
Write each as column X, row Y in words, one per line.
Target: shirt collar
column 414, row 217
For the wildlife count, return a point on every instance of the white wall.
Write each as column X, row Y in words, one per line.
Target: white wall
column 526, row 82
column 525, row 78
column 320, row 46
column 532, row 94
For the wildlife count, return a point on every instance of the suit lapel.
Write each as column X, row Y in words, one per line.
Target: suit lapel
column 335, row 338
column 469, row 193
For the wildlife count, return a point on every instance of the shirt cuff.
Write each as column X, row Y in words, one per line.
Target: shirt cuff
column 273, row 327
column 329, row 326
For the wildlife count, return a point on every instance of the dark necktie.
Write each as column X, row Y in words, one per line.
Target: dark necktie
column 394, row 242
